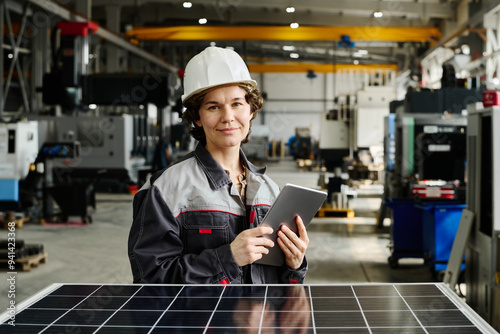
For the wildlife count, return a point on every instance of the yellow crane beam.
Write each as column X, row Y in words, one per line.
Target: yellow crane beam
column 285, row 33
column 298, row 67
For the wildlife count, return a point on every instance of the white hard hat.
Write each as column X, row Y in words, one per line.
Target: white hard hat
column 212, row 67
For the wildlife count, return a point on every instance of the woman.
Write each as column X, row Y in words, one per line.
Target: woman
column 198, row 220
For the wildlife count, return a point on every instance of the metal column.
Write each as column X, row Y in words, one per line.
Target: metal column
column 113, row 23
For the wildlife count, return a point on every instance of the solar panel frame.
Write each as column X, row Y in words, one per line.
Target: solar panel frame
column 317, row 308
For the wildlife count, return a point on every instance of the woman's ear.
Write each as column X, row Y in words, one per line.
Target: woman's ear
column 198, row 123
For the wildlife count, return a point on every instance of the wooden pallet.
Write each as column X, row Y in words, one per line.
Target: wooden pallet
column 19, row 223
column 337, row 213
column 26, row 263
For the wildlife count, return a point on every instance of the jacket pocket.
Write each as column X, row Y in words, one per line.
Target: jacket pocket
column 205, row 230
column 260, row 214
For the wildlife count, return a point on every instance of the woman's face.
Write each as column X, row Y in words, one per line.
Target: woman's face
column 225, row 117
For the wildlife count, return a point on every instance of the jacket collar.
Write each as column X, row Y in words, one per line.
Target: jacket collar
column 215, row 174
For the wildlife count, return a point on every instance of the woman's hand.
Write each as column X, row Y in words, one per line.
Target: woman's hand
column 295, row 314
column 249, row 245
column 294, row 246
column 248, row 317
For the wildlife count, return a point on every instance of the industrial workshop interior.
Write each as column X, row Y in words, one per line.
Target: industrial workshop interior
column 387, row 107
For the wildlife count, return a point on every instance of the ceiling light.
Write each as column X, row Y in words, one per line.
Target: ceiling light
column 202, row 20
column 187, row 4
column 360, row 53
column 378, row 14
column 288, row 48
column 294, row 25
column 294, row 55
column 290, row 9
column 355, row 62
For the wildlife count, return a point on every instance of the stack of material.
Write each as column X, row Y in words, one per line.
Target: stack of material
column 24, row 255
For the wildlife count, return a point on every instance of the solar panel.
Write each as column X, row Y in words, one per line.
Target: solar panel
column 357, row 308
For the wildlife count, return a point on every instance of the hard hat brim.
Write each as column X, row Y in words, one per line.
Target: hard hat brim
column 185, row 98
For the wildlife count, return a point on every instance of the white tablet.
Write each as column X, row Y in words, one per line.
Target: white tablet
column 293, row 200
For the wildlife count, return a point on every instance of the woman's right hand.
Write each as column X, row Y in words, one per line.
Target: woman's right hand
column 249, row 245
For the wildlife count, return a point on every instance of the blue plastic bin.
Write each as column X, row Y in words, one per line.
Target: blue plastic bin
column 440, row 225
column 406, row 230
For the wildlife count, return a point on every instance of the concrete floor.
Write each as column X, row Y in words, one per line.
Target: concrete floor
column 341, row 250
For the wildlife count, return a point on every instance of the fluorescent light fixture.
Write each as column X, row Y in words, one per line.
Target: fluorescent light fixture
column 360, row 53
column 294, row 55
column 202, row 20
column 92, row 106
column 187, row 4
column 290, row 9
column 288, row 48
column 294, row 25
column 378, row 14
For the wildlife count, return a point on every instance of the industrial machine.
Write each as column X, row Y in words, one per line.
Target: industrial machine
column 18, row 150
column 97, row 130
column 114, row 146
column 50, row 183
column 431, row 126
column 301, row 145
column 428, row 147
column 372, row 107
column 424, row 184
column 482, row 276
column 34, row 179
column 353, row 132
column 451, row 100
column 117, row 140
column 334, row 138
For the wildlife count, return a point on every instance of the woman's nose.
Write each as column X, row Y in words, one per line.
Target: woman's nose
column 227, row 114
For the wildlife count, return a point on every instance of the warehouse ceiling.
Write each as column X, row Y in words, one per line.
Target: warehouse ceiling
column 345, row 46
column 273, row 12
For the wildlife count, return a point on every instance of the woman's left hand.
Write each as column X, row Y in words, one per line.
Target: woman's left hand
column 294, row 246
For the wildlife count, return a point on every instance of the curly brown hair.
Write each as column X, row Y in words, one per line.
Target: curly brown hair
column 253, row 97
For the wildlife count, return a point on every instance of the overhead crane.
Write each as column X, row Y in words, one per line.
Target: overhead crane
column 285, row 33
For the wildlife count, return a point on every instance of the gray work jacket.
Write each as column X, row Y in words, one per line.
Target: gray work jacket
column 186, row 216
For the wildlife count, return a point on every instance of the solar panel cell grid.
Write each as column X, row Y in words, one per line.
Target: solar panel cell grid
column 384, row 308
